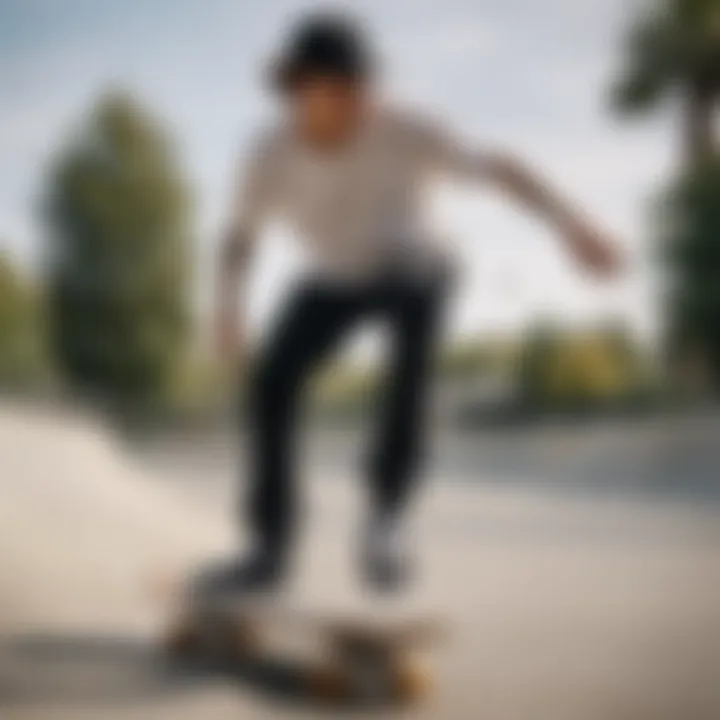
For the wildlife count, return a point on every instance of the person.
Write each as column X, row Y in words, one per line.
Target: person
column 347, row 171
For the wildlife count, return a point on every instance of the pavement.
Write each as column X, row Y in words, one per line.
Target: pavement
column 561, row 606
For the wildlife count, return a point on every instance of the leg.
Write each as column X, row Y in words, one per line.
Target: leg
column 414, row 314
column 310, row 328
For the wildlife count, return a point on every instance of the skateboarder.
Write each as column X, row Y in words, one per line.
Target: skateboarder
column 347, row 173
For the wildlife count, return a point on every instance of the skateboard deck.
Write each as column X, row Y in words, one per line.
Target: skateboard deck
column 339, row 656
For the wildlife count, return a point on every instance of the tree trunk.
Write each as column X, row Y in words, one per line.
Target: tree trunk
column 691, row 366
column 700, row 140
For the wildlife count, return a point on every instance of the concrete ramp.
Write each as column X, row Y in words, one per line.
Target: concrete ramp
column 83, row 526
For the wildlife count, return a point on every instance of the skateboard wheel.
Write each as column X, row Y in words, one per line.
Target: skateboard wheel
column 412, row 681
column 328, row 684
column 182, row 640
column 246, row 639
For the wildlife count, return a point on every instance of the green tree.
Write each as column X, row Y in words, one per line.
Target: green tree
column 118, row 246
column 691, row 248
column 580, row 368
column 495, row 356
column 673, row 51
column 540, row 349
column 22, row 361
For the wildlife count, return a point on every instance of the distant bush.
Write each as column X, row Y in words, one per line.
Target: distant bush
column 24, row 364
column 583, row 369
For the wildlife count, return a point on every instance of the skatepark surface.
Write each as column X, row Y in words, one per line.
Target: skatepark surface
column 561, row 606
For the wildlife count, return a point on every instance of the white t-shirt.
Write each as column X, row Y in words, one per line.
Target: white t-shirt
column 361, row 207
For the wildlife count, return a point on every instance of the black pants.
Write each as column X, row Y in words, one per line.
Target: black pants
column 313, row 322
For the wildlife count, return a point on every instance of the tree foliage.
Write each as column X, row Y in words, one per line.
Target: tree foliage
column 579, row 369
column 22, row 360
column 672, row 44
column 691, row 248
column 118, row 242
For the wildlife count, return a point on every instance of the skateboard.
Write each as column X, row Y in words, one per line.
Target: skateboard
column 339, row 656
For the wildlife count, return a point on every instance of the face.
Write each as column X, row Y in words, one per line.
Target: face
column 327, row 108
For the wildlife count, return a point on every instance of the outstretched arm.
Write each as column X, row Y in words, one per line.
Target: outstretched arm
column 585, row 241
column 251, row 203
column 232, row 268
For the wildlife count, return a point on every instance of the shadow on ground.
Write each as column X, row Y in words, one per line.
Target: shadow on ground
column 61, row 670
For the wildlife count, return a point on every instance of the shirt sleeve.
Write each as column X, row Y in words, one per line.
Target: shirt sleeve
column 253, row 197
column 444, row 153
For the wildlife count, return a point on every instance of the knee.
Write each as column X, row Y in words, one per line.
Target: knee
column 271, row 384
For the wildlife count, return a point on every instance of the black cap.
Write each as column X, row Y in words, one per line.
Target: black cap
column 327, row 44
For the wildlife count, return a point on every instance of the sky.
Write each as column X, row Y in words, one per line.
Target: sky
column 531, row 77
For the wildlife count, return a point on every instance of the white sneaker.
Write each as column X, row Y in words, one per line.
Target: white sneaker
column 385, row 560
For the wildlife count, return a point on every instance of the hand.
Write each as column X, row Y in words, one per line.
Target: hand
column 228, row 337
column 594, row 251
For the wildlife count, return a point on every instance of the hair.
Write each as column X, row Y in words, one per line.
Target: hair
column 323, row 44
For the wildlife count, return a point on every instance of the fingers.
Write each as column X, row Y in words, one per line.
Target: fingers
column 597, row 253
